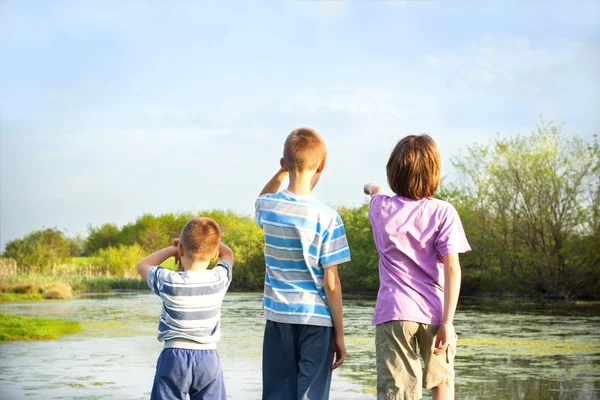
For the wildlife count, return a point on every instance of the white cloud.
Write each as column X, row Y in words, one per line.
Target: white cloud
column 361, row 101
column 510, row 65
column 431, row 60
column 323, row 8
column 332, row 8
column 396, row 3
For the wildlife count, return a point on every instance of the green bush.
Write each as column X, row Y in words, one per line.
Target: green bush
column 122, row 260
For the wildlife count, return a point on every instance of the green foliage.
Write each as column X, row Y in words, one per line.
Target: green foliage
column 121, row 260
column 528, row 205
column 41, row 249
column 22, row 328
column 361, row 273
column 100, row 238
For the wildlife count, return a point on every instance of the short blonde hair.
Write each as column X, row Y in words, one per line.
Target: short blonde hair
column 200, row 238
column 304, row 148
column 413, row 169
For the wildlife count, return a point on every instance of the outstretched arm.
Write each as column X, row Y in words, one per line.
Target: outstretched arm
column 275, row 182
column 155, row 259
column 452, row 278
column 333, row 291
column 372, row 189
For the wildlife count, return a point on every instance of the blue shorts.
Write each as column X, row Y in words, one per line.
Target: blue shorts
column 296, row 361
column 195, row 372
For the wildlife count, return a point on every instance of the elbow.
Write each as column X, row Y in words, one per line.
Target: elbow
column 454, row 271
column 331, row 285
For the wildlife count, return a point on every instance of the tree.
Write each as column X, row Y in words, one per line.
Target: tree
column 40, row 249
column 532, row 196
column 100, row 238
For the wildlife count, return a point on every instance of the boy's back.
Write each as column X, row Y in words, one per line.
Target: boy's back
column 302, row 237
column 304, row 242
column 191, row 304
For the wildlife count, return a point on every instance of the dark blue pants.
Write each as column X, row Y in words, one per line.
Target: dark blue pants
column 296, row 362
column 182, row 371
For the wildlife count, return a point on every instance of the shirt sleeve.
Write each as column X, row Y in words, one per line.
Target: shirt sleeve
column 258, row 212
column 334, row 246
column 375, row 206
column 223, row 271
column 155, row 277
column 451, row 235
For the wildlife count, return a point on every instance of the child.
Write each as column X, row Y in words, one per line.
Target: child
column 305, row 241
column 418, row 239
column 190, row 319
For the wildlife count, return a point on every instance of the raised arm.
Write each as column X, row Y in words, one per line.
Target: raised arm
column 155, row 259
column 225, row 254
column 275, row 182
column 333, row 291
column 452, row 278
column 372, row 189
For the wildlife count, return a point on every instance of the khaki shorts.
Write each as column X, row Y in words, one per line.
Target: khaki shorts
column 399, row 373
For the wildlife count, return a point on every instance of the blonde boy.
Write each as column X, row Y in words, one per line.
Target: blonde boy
column 191, row 313
column 305, row 241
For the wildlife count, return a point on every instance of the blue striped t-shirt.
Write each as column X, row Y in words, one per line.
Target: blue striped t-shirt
column 302, row 237
column 191, row 303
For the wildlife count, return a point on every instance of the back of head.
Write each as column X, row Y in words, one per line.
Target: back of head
column 304, row 148
column 413, row 169
column 200, row 239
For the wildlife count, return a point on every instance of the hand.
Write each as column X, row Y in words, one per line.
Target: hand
column 371, row 189
column 442, row 338
column 339, row 351
column 175, row 244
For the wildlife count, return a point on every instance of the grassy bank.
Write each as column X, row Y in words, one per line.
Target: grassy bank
column 44, row 287
column 22, row 328
column 28, row 290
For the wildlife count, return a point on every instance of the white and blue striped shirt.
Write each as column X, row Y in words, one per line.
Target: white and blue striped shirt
column 191, row 302
column 302, row 237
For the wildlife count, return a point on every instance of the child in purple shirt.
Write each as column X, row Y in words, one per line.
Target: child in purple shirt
column 418, row 239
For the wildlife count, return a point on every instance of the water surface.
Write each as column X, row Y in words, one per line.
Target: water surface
column 508, row 349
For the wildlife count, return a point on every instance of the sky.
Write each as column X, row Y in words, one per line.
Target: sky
column 113, row 109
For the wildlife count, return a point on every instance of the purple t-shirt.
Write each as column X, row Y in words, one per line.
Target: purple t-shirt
column 412, row 237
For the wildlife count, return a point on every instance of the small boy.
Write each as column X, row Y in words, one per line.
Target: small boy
column 190, row 319
column 305, row 241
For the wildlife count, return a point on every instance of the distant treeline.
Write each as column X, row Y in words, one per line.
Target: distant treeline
column 530, row 206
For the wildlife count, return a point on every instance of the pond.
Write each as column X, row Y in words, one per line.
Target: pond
column 508, row 349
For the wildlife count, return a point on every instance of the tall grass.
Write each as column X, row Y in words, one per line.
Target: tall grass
column 80, row 275
column 26, row 290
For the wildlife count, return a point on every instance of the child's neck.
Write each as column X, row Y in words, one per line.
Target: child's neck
column 301, row 182
column 197, row 266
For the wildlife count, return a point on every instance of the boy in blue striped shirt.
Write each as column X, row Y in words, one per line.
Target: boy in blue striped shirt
column 191, row 313
column 305, row 241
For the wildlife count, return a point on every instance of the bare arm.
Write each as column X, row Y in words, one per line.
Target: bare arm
column 155, row 259
column 225, row 254
column 333, row 291
column 452, row 278
column 372, row 189
column 275, row 183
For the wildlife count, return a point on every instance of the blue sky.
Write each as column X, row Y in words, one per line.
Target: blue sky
column 113, row 109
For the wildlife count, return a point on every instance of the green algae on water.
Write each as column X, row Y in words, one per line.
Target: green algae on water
column 532, row 347
column 22, row 328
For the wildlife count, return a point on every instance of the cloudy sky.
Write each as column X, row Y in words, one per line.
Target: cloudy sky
column 111, row 109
